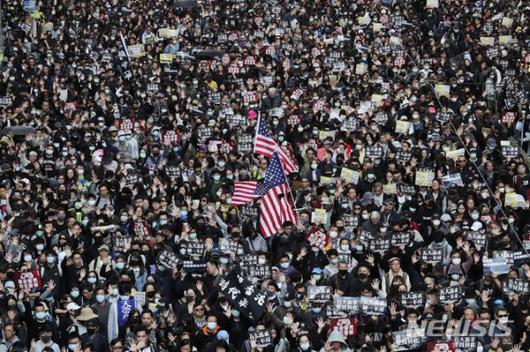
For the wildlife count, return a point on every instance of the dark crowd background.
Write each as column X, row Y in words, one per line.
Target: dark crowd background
column 108, row 158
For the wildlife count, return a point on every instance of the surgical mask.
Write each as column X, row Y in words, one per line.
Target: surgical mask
column 235, row 313
column 216, row 177
column 183, row 251
column 91, row 202
column 40, row 315
column 92, row 280
column 316, row 310
column 262, row 261
column 334, row 261
column 193, row 235
column 72, row 346
column 50, row 259
column 511, row 220
column 503, row 320
column 455, row 277
column 501, row 189
column 315, row 249
column 115, row 292
column 305, row 346
column 212, row 325
column 485, row 195
column 456, row 261
column 333, row 234
column 46, row 338
column 221, row 164
column 475, row 215
column 120, row 265
column 39, row 247
column 480, row 348
column 285, row 320
column 344, row 247
column 364, row 216
column 100, row 298
column 285, row 265
column 223, row 260
column 317, row 277
column 28, row 258
column 124, row 218
column 436, row 222
column 471, row 300
column 162, row 222
column 359, row 247
column 74, row 293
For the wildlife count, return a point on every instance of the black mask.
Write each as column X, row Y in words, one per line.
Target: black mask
column 343, row 272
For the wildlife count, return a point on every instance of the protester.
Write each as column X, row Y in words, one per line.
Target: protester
column 393, row 133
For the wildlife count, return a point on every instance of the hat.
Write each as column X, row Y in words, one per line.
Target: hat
column 251, row 115
column 393, row 259
column 316, row 271
column 445, row 217
column 86, row 314
column 104, row 247
column 113, row 129
column 477, row 225
column 9, row 284
column 73, row 306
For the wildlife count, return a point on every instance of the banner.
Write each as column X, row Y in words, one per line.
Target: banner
column 242, row 294
column 450, row 294
column 168, row 259
column 320, row 294
column 497, row 265
column 429, row 255
column 125, row 307
column 412, row 299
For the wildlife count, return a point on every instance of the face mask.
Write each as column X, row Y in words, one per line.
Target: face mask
column 474, row 215
column 456, row 261
column 120, row 265
column 262, row 261
column 143, row 155
column 315, row 249
column 162, row 222
column 212, row 325
column 343, row 272
column 344, row 247
column 480, row 348
column 334, row 261
column 28, row 258
column 72, row 346
column 359, row 247
column 314, row 166
column 455, row 277
column 317, row 277
column 223, row 260
column 100, row 298
column 183, row 251
column 221, row 164
column 305, row 346
column 383, row 229
column 46, row 338
column 74, row 293
column 501, row 189
column 485, row 195
column 235, row 313
column 216, row 177
column 365, row 216
column 50, row 260
column 40, row 315
column 285, row 320
column 333, row 234
column 124, row 218
column 285, row 265
column 470, row 300
column 511, row 220
column 39, row 247
column 91, row 202
column 316, row 310
column 192, row 235
column 92, row 280
column 161, row 267
column 503, row 320
column 412, row 210
column 300, row 129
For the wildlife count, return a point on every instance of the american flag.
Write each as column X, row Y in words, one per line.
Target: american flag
column 275, row 208
column 266, row 145
column 246, row 191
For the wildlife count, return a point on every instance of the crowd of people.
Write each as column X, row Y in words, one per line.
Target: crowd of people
column 125, row 125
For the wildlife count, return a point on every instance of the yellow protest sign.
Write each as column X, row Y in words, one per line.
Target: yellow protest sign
column 166, row 58
column 390, row 188
column 136, row 51
column 505, row 39
column 324, row 180
column 507, row 22
column 319, row 216
column 454, row 154
column 514, row 200
column 442, row 90
column 349, row 175
column 424, row 177
column 487, row 41
column 167, row 33
column 376, row 27
column 402, row 126
column 432, row 4
column 361, row 69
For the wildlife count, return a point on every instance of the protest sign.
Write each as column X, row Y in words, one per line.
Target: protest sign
column 465, row 343
column 324, row 180
column 505, row 39
column 242, row 294
column 121, row 243
column 372, row 305
column 346, row 326
column 350, row 305
column 319, row 216
column 196, row 248
column 514, row 200
column 479, row 239
column 519, row 286
column 510, row 152
column 130, row 179
column 139, row 297
column 412, row 299
column 452, row 180
column 170, row 137
column 166, row 58
column 136, row 51
column 262, row 337
column 28, row 281
column 350, row 221
column 318, row 238
column 442, row 90
column 204, row 133
column 390, row 188
column 194, row 266
column 409, row 339
column 407, row 189
column 403, row 157
column 400, row 239
column 167, row 33
column 429, row 255
column 487, row 41
column 168, row 259
column 365, row 237
column 374, row 151
column 450, row 294
column 6, row 101
column 424, row 177
column 350, row 176
column 454, row 154
column 245, row 143
column 320, row 294
column 432, row 4
column 380, row 245
column 402, row 126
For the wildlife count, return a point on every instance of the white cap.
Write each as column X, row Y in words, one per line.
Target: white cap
column 73, row 306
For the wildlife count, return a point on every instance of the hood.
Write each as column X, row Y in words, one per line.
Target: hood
column 336, row 336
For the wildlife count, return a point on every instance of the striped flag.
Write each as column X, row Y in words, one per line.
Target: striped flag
column 264, row 144
column 275, row 208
